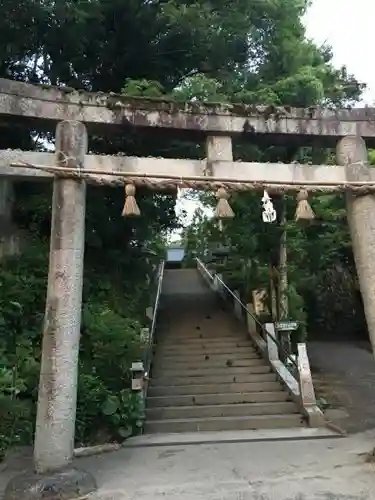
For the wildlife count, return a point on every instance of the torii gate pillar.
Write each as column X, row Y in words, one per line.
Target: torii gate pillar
column 352, row 152
column 53, row 475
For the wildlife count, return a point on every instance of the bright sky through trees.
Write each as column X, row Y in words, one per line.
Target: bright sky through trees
column 347, row 27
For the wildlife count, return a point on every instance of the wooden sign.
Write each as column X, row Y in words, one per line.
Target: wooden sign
column 286, row 326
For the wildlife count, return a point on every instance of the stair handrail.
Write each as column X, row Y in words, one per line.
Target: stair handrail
column 302, row 389
column 160, row 276
column 243, row 306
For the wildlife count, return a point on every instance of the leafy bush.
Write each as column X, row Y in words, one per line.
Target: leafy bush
column 110, row 342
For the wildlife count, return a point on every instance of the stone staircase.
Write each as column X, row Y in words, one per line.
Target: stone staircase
column 206, row 374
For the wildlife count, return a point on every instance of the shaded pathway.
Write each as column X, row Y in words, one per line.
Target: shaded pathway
column 329, row 469
column 344, row 372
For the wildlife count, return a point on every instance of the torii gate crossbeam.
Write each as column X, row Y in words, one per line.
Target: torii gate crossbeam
column 102, row 111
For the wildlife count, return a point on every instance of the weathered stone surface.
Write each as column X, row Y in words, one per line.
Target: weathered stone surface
column 56, row 104
column 361, row 218
column 307, row 393
column 140, row 166
column 55, row 423
column 63, row 485
column 243, row 171
column 218, row 148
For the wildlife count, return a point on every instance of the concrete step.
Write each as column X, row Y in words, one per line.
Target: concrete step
column 193, row 390
column 207, row 371
column 172, row 340
column 182, row 439
column 161, row 367
column 214, row 379
column 208, row 411
column 223, row 423
column 204, row 349
column 219, row 328
column 197, row 358
column 217, row 399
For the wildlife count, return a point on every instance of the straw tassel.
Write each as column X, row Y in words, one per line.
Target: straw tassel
column 223, row 209
column 130, row 208
column 303, row 210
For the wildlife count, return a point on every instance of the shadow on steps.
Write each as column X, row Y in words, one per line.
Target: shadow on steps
column 185, row 291
column 188, row 308
column 206, row 374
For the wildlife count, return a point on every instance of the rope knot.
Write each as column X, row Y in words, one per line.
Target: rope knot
column 302, row 195
column 130, row 207
column 223, row 209
column 303, row 210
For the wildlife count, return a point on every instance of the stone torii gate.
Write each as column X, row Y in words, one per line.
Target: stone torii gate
column 78, row 114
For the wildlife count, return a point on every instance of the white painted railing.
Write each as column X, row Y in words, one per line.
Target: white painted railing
column 160, row 277
column 295, row 373
column 141, row 369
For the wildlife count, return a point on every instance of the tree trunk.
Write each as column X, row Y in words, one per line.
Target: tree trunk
column 9, row 239
column 283, row 282
column 283, row 267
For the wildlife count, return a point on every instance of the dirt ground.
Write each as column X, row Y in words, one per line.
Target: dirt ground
column 344, row 375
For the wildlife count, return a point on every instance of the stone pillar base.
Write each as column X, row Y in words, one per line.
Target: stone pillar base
column 67, row 484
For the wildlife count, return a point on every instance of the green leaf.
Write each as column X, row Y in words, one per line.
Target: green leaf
column 16, row 304
column 110, row 405
column 125, row 432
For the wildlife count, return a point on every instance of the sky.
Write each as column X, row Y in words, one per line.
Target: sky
column 345, row 25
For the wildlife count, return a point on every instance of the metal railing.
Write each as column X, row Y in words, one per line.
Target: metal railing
column 148, row 357
column 212, row 277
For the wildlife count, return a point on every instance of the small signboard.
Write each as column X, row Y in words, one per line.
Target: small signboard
column 286, row 326
column 259, row 301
